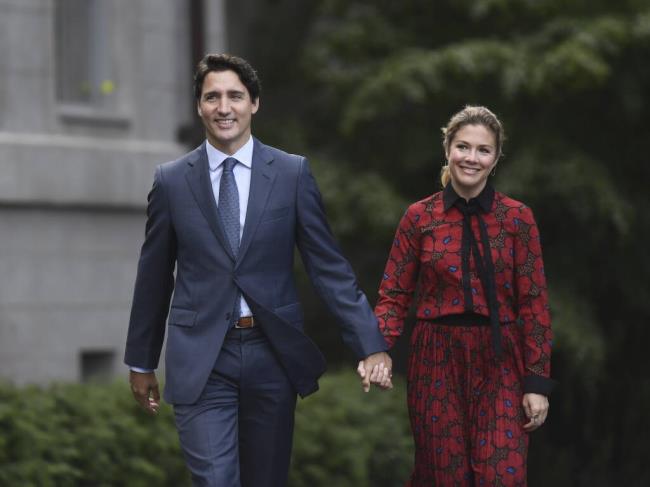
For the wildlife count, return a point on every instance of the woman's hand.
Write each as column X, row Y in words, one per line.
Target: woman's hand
column 536, row 409
column 376, row 369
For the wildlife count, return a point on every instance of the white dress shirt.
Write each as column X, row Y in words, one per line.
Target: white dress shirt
column 242, row 172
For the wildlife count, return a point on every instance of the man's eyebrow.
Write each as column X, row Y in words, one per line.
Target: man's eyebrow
column 229, row 92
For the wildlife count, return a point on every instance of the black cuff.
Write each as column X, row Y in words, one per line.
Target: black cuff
column 537, row 384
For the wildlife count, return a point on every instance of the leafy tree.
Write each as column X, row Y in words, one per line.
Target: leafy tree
column 570, row 80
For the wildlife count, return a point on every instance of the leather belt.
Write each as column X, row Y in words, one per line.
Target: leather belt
column 245, row 322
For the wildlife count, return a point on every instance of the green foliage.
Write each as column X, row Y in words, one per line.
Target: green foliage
column 347, row 438
column 96, row 435
column 83, row 435
column 568, row 87
column 569, row 79
column 361, row 207
column 363, row 87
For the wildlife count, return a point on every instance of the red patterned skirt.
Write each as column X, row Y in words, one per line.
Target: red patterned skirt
column 466, row 407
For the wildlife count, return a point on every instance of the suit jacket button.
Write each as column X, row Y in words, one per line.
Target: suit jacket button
column 227, row 316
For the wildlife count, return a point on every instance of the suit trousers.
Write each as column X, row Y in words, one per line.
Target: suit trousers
column 239, row 432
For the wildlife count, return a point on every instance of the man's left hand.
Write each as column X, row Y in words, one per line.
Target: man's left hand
column 376, row 369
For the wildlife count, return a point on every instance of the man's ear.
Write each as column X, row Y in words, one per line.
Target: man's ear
column 256, row 105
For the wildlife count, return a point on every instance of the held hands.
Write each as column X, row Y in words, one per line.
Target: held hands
column 376, row 369
column 536, row 409
column 144, row 387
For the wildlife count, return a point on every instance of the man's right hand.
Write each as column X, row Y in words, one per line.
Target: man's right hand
column 144, row 387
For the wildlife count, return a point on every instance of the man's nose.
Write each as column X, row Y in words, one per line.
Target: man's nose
column 223, row 106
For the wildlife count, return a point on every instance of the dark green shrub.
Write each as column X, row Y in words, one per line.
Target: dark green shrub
column 85, row 435
column 345, row 437
column 95, row 435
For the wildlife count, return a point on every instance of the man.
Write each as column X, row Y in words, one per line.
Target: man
column 227, row 217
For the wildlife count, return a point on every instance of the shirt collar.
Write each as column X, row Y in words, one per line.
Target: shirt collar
column 243, row 155
column 484, row 199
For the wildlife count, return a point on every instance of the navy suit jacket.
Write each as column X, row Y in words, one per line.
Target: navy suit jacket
column 186, row 253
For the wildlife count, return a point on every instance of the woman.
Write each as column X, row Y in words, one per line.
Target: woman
column 479, row 364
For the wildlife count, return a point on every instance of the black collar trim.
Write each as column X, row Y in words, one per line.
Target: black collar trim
column 484, row 199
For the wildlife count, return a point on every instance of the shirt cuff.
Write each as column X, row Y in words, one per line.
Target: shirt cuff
column 140, row 370
column 537, row 384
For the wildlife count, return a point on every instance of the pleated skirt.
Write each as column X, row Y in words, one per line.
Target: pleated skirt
column 465, row 406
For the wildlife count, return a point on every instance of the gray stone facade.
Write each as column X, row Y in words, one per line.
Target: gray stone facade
column 75, row 172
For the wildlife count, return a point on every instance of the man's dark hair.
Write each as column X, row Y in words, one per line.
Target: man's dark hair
column 227, row 62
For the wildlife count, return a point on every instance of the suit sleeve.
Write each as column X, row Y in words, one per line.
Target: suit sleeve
column 154, row 282
column 533, row 309
column 330, row 273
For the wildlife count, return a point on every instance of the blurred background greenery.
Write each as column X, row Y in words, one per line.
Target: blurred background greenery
column 97, row 436
column 362, row 87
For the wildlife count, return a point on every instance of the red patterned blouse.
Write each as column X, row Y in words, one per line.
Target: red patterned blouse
column 428, row 253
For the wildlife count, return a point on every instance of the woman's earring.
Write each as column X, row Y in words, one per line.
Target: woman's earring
column 494, row 170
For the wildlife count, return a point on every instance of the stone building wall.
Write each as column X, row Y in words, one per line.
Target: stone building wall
column 87, row 109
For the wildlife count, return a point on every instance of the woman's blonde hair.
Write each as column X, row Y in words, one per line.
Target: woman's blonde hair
column 470, row 115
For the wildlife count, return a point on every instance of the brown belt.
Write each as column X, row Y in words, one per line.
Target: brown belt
column 245, row 322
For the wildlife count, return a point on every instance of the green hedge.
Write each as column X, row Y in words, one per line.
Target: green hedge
column 345, row 437
column 95, row 435
column 85, row 435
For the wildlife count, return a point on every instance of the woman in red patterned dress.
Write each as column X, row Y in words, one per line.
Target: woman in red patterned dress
column 479, row 363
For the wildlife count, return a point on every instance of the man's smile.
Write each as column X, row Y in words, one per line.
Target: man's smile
column 225, row 123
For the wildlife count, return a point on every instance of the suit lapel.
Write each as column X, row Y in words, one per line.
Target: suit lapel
column 262, row 177
column 198, row 178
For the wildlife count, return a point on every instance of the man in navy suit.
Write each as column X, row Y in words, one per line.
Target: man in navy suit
column 222, row 225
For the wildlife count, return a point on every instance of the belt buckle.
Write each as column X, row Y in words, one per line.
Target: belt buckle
column 249, row 319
